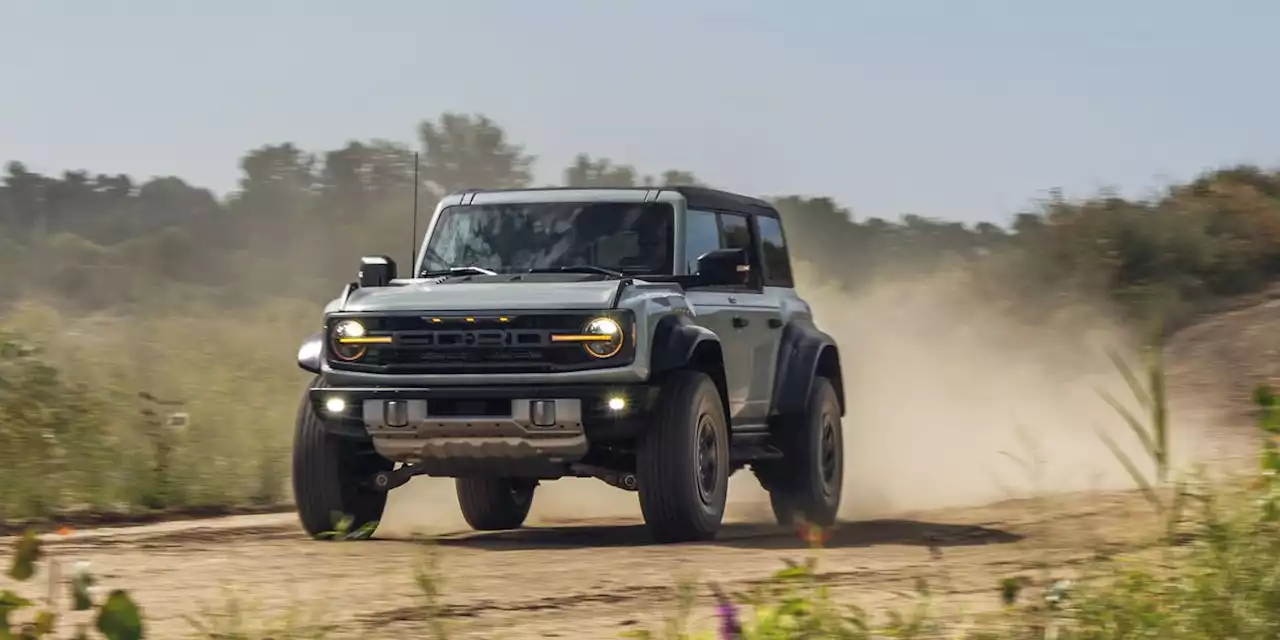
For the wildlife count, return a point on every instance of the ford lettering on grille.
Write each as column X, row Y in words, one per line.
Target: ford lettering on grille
column 476, row 344
column 495, row 338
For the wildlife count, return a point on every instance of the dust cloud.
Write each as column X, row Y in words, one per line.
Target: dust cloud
column 957, row 396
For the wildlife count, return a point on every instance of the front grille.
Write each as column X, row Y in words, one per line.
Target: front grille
column 459, row 343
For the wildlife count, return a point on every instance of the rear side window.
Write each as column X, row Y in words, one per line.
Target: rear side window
column 737, row 231
column 777, row 263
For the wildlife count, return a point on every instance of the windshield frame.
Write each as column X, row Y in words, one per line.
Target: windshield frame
column 673, row 213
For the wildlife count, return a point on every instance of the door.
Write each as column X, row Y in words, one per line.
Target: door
column 739, row 315
column 755, row 318
column 718, row 309
column 778, row 290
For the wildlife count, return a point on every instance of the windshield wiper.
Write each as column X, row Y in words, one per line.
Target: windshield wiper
column 459, row 271
column 581, row 268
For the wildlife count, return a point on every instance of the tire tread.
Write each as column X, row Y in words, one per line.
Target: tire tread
column 487, row 504
column 666, row 486
column 319, row 476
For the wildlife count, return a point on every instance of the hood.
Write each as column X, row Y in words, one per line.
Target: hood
column 496, row 296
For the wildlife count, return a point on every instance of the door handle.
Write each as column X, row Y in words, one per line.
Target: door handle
column 775, row 323
column 739, row 322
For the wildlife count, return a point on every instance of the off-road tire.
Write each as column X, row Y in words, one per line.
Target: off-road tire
column 330, row 475
column 495, row 504
column 679, row 502
column 807, row 482
column 784, row 510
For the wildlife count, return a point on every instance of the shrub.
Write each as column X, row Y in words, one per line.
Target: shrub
column 116, row 617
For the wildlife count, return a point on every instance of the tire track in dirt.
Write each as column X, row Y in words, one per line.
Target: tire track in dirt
column 593, row 578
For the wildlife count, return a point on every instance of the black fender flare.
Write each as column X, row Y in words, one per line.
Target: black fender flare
column 676, row 341
column 679, row 342
column 804, row 353
column 310, row 352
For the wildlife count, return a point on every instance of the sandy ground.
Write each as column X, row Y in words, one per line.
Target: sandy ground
column 585, row 579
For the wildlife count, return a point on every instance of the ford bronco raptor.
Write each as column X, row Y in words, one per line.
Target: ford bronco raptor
column 648, row 337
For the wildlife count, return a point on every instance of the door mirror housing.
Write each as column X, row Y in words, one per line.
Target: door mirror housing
column 376, row 271
column 723, row 268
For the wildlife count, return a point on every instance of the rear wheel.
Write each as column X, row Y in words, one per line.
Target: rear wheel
column 682, row 462
column 494, row 504
column 330, row 476
column 808, row 481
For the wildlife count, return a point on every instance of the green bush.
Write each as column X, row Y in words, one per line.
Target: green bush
column 85, row 403
column 116, row 617
column 51, row 448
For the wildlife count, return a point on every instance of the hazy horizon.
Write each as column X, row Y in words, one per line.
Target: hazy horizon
column 927, row 108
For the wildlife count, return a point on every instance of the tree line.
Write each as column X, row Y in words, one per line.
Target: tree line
column 299, row 219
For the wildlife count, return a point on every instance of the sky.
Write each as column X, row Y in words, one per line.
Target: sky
column 958, row 109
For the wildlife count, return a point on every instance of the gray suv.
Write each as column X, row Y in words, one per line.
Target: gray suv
column 648, row 337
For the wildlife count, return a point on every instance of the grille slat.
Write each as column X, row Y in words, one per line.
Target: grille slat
column 475, row 344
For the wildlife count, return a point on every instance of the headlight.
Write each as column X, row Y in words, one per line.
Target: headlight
column 347, row 340
column 601, row 337
column 610, row 331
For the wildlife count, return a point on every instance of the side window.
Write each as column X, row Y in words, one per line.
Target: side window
column 702, row 234
column 777, row 264
column 737, row 232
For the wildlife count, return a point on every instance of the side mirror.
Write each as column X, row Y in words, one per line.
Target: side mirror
column 723, row 267
column 377, row 271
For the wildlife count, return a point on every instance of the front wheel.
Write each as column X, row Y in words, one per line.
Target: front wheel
column 495, row 504
column 330, row 477
column 682, row 462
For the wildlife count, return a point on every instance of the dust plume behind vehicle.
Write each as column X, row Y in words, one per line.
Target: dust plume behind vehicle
column 956, row 398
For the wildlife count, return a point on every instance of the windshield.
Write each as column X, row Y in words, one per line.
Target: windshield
column 630, row 238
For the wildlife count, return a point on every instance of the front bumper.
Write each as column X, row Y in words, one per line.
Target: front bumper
column 457, row 431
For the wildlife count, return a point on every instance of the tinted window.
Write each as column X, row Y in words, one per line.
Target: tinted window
column 777, row 264
column 627, row 237
column 737, row 231
column 702, row 234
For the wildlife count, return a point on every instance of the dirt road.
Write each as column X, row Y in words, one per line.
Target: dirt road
column 586, row 579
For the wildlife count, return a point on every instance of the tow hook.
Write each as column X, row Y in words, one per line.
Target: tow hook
column 388, row 480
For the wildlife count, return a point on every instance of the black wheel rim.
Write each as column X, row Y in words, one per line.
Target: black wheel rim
column 708, row 459
column 829, row 452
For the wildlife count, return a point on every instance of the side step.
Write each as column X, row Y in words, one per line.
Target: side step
column 752, row 446
column 742, row 453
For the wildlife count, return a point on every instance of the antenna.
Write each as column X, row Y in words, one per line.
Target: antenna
column 413, row 240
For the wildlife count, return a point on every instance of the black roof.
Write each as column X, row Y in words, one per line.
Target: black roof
column 707, row 198
column 697, row 197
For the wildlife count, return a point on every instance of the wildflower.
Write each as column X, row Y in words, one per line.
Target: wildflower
column 730, row 628
column 813, row 535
